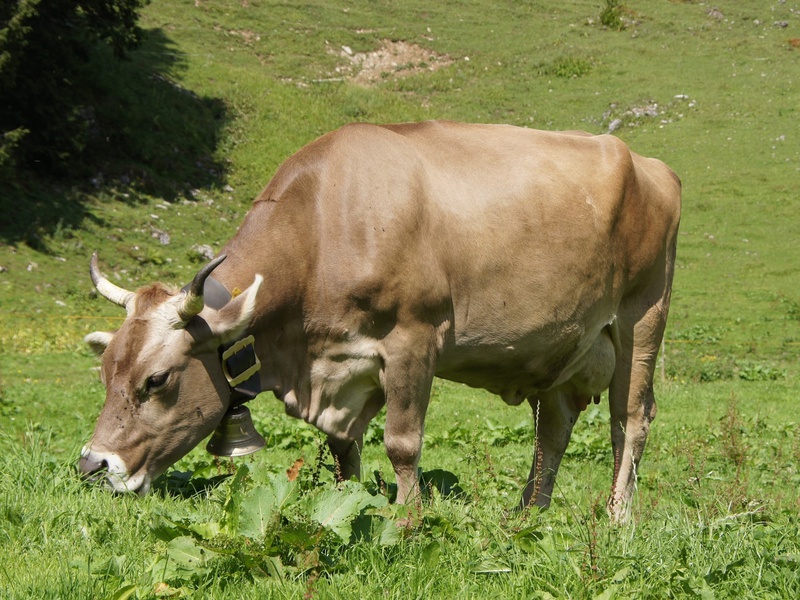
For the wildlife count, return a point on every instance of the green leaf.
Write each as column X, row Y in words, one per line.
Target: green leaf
column 491, row 565
column 548, row 546
column 336, row 509
column 430, row 554
column 301, row 536
column 185, row 551
column 262, row 505
column 206, row 470
column 265, row 566
column 387, row 532
column 258, row 511
column 529, row 539
column 207, row 530
column 372, row 528
column 184, row 559
column 788, row 559
column 124, row 592
column 607, row 594
column 233, row 499
column 168, row 527
column 115, row 566
column 274, row 566
column 164, row 529
column 621, row 575
column 440, row 526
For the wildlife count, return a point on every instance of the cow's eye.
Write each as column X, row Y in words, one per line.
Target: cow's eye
column 156, row 381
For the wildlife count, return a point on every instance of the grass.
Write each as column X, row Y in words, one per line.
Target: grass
column 228, row 90
column 716, row 511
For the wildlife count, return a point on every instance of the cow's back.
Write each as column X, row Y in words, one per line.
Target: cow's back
column 520, row 243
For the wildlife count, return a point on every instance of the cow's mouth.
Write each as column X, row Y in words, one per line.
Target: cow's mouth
column 109, row 469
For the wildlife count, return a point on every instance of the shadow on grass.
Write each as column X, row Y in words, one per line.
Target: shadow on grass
column 147, row 135
column 186, row 484
column 183, row 484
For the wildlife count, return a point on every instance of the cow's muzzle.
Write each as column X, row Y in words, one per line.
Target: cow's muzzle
column 109, row 468
column 92, row 467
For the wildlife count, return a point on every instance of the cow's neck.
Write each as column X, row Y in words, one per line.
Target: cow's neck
column 277, row 326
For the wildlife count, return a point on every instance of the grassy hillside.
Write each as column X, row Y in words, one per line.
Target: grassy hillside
column 712, row 92
column 223, row 91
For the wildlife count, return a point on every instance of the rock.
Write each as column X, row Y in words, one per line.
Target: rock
column 203, row 250
column 162, row 237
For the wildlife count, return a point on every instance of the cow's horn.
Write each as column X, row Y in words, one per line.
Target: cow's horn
column 193, row 302
column 105, row 288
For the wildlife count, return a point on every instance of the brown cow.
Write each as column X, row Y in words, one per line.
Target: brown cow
column 536, row 265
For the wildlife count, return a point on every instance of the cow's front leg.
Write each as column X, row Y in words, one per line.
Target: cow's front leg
column 407, row 385
column 346, row 457
column 402, row 437
column 554, row 414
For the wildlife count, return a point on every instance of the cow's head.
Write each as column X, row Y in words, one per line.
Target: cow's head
column 165, row 388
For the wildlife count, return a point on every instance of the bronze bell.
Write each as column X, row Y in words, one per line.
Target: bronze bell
column 235, row 435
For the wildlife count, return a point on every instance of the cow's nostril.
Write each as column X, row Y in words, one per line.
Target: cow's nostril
column 89, row 466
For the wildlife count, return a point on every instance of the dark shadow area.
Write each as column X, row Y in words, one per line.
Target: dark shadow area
column 444, row 482
column 146, row 134
column 184, row 484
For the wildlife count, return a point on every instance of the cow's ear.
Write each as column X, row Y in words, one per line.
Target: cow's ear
column 98, row 341
column 229, row 322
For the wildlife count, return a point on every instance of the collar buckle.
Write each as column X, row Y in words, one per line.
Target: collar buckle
column 241, row 355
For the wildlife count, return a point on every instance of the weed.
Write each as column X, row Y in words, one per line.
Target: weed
column 692, row 491
column 569, row 67
column 792, row 309
column 706, row 334
column 318, row 463
column 713, row 369
column 758, row 372
column 733, row 445
column 611, row 15
column 153, row 256
column 590, row 523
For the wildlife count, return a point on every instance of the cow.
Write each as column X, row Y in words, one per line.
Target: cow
column 536, row 265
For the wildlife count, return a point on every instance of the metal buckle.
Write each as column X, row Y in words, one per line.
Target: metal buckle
column 244, row 343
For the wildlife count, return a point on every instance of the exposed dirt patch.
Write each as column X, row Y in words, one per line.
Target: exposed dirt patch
column 392, row 59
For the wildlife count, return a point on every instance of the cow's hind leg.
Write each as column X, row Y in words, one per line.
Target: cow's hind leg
column 631, row 400
column 554, row 414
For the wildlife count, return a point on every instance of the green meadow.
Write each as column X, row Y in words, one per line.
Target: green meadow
column 217, row 96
